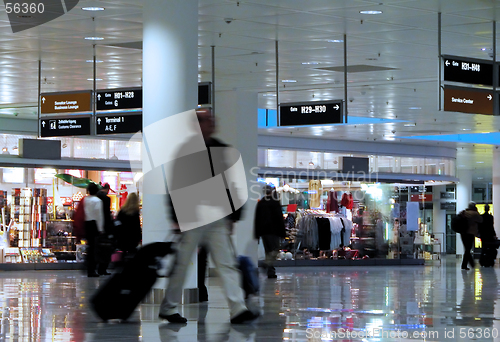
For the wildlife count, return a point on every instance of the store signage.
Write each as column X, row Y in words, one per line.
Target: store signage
column 64, row 200
column 118, row 124
column 460, row 69
column 65, row 126
column 447, row 195
column 421, row 198
column 467, row 100
column 311, row 113
column 119, row 99
column 66, row 102
column 449, row 206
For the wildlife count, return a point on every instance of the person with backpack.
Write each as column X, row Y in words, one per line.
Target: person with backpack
column 488, row 239
column 468, row 236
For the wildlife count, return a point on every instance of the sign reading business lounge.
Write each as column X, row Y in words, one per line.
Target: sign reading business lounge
column 311, row 113
column 70, row 102
column 60, row 127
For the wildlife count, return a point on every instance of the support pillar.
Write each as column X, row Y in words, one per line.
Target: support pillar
column 170, row 87
column 439, row 216
column 496, row 187
column 464, row 195
column 236, row 120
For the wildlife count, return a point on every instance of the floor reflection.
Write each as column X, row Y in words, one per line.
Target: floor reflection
column 430, row 303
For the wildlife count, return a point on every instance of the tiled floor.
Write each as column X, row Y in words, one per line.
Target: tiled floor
column 439, row 302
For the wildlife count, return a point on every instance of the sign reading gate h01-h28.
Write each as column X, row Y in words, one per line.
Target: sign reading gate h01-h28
column 119, row 99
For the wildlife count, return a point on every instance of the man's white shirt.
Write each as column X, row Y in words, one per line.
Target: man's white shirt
column 93, row 208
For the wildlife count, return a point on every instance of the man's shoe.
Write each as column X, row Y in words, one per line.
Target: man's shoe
column 92, row 275
column 243, row 317
column 272, row 276
column 175, row 318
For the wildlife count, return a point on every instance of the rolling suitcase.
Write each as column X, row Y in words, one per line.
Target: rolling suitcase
column 489, row 254
column 119, row 297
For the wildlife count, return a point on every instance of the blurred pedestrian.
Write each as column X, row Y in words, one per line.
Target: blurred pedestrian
column 269, row 226
column 128, row 231
column 94, row 226
column 473, row 219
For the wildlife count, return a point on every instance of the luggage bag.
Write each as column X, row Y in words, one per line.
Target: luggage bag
column 489, row 253
column 249, row 275
column 122, row 293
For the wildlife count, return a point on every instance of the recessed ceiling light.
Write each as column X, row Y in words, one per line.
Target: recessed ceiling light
column 94, row 38
column 415, row 108
column 370, row 12
column 92, row 61
column 310, row 63
column 410, row 124
column 466, row 129
column 289, row 81
column 335, row 41
column 480, row 162
column 485, row 49
column 91, row 79
column 93, row 9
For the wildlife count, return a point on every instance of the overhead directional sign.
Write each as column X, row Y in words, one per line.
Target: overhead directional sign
column 467, row 100
column 62, row 127
column 460, row 69
column 311, row 113
column 119, row 99
column 118, row 124
column 75, row 102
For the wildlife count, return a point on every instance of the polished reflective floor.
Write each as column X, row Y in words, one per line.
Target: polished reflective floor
column 436, row 302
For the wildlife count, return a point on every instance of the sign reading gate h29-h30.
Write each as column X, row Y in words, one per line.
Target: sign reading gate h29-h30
column 460, row 69
column 311, row 113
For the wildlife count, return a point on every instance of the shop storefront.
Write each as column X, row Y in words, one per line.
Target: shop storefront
column 37, row 201
column 364, row 216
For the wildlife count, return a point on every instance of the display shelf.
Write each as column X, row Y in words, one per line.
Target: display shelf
column 29, row 212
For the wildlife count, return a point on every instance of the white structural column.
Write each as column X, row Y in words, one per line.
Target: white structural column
column 170, row 86
column 464, row 196
column 439, row 216
column 236, row 120
column 496, row 187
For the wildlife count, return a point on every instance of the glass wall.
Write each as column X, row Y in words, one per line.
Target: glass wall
column 377, row 163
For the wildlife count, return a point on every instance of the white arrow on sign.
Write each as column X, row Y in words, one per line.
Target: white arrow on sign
column 43, row 99
column 43, row 124
column 489, row 97
column 447, row 63
column 336, row 107
column 98, row 121
column 98, row 97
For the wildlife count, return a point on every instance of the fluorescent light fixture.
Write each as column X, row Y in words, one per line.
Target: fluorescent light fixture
column 94, row 38
column 335, row 41
column 370, row 12
column 410, row 124
column 91, row 79
column 269, row 95
column 466, row 129
column 310, row 63
column 480, row 178
column 92, row 61
column 93, row 9
column 289, row 81
column 480, row 162
column 415, row 108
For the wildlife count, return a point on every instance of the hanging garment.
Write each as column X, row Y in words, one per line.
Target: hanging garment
column 332, row 204
column 345, row 200
column 314, row 194
column 324, row 233
column 350, row 205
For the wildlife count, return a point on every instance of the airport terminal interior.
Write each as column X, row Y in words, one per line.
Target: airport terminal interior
column 374, row 121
